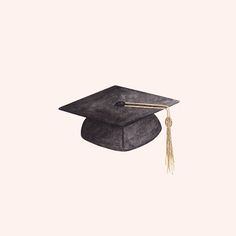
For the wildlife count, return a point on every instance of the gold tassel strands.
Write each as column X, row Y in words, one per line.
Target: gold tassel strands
column 170, row 163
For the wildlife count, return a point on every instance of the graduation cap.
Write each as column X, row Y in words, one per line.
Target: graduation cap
column 123, row 119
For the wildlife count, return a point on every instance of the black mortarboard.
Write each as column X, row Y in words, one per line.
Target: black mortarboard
column 111, row 123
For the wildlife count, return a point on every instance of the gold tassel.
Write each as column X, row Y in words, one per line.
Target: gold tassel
column 170, row 163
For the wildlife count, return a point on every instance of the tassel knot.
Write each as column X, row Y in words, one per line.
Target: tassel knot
column 168, row 122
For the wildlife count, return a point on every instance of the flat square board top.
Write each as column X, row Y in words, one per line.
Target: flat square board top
column 102, row 106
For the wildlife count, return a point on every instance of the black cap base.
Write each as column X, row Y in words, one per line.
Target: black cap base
column 120, row 138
